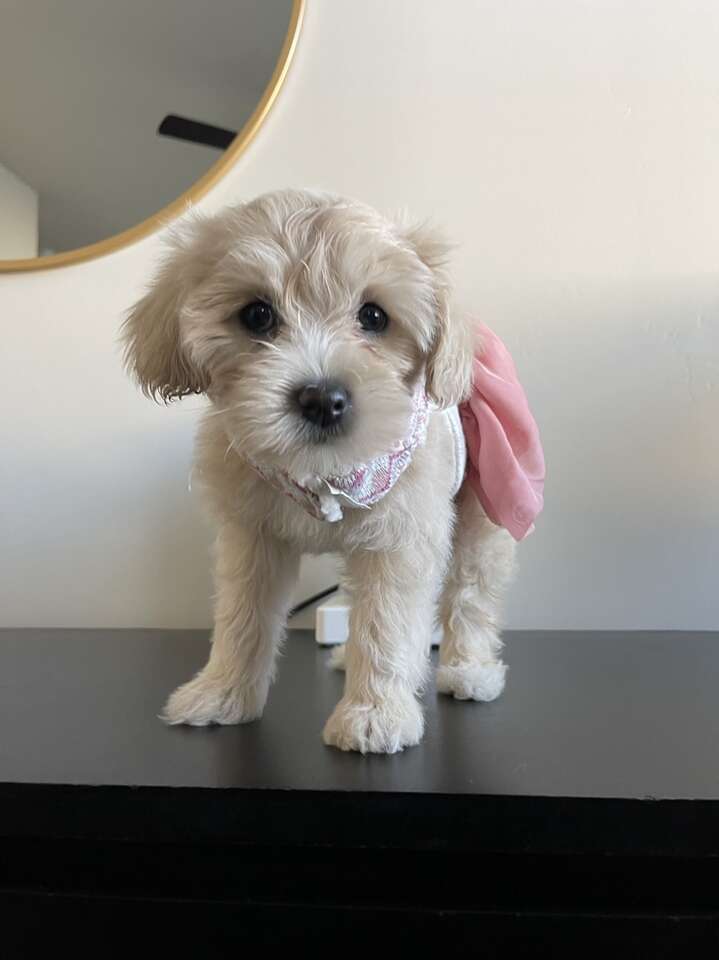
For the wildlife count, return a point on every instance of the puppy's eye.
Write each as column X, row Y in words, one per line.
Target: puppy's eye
column 258, row 317
column 372, row 318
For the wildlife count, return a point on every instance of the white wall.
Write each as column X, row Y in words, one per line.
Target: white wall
column 18, row 217
column 572, row 148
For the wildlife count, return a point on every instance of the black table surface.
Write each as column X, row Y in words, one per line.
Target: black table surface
column 630, row 715
column 581, row 807
column 594, row 730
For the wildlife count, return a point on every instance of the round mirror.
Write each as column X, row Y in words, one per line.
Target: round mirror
column 115, row 114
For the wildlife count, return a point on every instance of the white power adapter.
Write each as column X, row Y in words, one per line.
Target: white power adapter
column 332, row 621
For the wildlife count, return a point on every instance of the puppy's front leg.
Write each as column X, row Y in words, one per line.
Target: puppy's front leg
column 254, row 578
column 387, row 652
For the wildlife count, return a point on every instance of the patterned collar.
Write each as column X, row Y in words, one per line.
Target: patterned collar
column 324, row 497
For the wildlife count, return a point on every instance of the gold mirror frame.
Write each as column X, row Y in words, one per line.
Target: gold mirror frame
column 199, row 188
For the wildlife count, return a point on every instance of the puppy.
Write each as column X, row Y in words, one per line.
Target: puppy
column 322, row 335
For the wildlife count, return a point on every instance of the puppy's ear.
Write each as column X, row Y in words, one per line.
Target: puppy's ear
column 153, row 352
column 449, row 362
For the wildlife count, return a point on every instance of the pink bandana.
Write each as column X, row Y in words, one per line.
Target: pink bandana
column 505, row 462
column 323, row 497
column 505, row 458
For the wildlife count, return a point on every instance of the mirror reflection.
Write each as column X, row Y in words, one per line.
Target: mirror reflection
column 109, row 111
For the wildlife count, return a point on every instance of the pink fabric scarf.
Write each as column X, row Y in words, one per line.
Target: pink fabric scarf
column 505, row 462
column 365, row 484
column 505, row 465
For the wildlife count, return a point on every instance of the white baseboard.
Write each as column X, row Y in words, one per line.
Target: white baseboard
column 332, row 621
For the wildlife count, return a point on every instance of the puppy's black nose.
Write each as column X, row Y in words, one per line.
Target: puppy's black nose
column 324, row 404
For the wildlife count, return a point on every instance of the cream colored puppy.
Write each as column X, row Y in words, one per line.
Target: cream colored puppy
column 322, row 335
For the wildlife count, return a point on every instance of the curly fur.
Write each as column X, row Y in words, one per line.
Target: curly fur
column 316, row 259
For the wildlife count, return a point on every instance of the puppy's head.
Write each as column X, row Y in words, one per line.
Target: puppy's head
column 309, row 321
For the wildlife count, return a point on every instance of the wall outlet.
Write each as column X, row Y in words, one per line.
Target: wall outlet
column 332, row 621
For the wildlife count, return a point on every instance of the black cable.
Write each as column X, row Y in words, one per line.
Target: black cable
column 310, row 600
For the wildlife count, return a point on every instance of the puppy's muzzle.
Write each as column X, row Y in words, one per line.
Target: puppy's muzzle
column 325, row 405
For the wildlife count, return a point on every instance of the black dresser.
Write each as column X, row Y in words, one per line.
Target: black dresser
column 578, row 813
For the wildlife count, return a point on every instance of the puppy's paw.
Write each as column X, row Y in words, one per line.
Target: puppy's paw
column 337, row 657
column 384, row 727
column 208, row 699
column 472, row 680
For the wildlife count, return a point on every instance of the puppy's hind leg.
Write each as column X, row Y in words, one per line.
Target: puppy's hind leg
column 481, row 568
column 254, row 578
column 338, row 657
